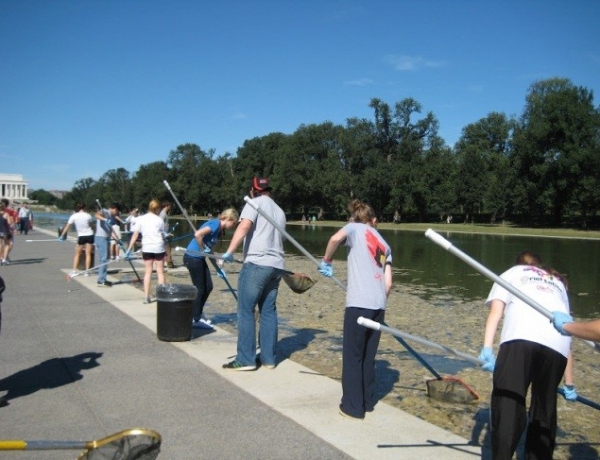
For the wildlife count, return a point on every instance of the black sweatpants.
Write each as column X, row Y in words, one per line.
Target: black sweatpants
column 522, row 364
column 358, row 361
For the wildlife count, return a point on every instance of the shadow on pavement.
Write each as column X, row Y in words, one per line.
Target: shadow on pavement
column 52, row 373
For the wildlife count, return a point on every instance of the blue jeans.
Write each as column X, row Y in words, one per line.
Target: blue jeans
column 257, row 285
column 200, row 275
column 101, row 243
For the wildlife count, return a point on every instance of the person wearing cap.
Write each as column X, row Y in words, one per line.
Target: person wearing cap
column 259, row 278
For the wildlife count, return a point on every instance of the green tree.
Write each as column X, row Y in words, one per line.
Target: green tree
column 189, row 165
column 83, row 191
column 148, row 184
column 484, row 171
column 556, row 138
column 116, row 187
column 42, row 197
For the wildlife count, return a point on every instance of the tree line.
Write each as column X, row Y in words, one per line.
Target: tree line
column 539, row 169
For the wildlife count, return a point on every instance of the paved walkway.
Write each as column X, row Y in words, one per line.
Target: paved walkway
column 82, row 362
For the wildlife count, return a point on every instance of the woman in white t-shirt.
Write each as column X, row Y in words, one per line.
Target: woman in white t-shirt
column 153, row 245
column 85, row 236
column 531, row 354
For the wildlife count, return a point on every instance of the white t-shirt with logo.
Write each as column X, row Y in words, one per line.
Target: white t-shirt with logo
column 523, row 322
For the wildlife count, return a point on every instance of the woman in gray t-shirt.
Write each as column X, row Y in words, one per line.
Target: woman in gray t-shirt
column 369, row 284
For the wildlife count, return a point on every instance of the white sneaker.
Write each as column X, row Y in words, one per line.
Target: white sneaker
column 202, row 324
column 72, row 274
column 205, row 319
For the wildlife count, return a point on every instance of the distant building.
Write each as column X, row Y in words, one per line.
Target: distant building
column 58, row 193
column 13, row 187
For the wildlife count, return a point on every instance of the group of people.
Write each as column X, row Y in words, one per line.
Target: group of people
column 107, row 235
column 533, row 353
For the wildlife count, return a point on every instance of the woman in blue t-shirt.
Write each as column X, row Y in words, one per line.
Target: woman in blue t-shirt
column 205, row 238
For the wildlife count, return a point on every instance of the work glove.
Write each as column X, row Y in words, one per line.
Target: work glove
column 326, row 269
column 62, row 238
column 227, row 257
column 487, row 355
column 128, row 255
column 221, row 273
column 207, row 250
column 570, row 393
column 559, row 319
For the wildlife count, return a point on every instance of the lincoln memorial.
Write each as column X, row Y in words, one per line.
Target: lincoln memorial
column 13, row 187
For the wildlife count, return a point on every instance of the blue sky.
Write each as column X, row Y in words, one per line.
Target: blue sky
column 89, row 86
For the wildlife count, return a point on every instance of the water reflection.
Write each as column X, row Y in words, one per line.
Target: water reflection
column 426, row 270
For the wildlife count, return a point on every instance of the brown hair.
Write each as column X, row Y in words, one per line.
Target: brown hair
column 528, row 257
column 360, row 212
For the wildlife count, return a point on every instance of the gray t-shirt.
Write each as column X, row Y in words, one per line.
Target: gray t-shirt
column 368, row 254
column 263, row 244
column 102, row 226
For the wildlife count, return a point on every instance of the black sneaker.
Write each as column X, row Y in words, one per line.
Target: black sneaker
column 104, row 284
column 235, row 366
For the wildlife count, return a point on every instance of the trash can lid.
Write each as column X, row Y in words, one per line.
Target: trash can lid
column 176, row 292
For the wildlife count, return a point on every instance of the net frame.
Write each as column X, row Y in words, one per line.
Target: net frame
column 129, row 444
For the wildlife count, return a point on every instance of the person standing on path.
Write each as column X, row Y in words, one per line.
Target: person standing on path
column 369, row 285
column 204, row 241
column 101, row 240
column 85, row 236
column 259, row 278
column 531, row 354
column 6, row 235
column 115, row 240
column 24, row 219
column 11, row 217
column 151, row 226
column 131, row 219
column 164, row 215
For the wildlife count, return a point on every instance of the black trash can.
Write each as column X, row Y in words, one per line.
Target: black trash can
column 174, row 311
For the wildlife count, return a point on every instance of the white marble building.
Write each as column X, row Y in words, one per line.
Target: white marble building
column 13, row 187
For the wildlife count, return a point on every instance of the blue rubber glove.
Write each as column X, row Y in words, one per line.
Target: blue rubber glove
column 326, row 269
column 570, row 393
column 227, row 257
column 127, row 255
column 559, row 319
column 207, row 250
column 222, row 274
column 487, row 355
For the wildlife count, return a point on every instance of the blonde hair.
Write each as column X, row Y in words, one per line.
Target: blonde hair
column 230, row 214
column 361, row 212
column 154, row 206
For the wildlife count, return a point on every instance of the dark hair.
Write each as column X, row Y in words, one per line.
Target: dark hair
column 360, row 212
column 528, row 257
column 115, row 205
column 79, row 206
